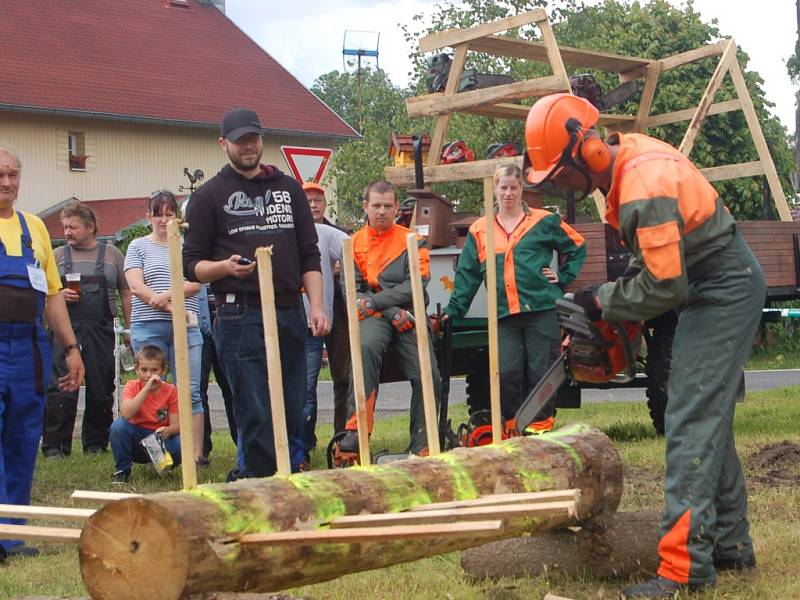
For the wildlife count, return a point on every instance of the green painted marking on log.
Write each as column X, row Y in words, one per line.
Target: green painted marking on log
column 402, row 490
column 237, row 519
column 535, row 481
column 463, row 485
column 553, row 437
column 323, row 495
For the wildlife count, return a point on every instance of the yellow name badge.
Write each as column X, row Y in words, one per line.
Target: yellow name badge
column 37, row 278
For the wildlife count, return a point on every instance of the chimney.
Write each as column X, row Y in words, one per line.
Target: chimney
column 220, row 4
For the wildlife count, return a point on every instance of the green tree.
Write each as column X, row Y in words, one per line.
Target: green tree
column 653, row 29
column 375, row 107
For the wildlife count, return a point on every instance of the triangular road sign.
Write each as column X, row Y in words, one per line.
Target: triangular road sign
column 306, row 164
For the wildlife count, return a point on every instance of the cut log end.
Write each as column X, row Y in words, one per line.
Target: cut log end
column 128, row 538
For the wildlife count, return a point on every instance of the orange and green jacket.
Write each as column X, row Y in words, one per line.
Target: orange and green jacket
column 669, row 216
column 381, row 268
column 520, row 257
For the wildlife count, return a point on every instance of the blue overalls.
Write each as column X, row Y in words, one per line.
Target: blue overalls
column 25, row 358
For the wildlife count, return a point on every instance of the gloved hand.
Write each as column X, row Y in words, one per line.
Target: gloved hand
column 436, row 322
column 403, row 321
column 587, row 300
column 366, row 307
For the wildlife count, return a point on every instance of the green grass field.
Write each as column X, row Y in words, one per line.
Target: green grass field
column 765, row 418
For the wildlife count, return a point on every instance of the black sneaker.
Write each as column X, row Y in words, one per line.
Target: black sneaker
column 95, row 449
column 121, row 476
column 18, row 550
column 660, row 587
column 740, row 563
column 53, row 453
column 349, row 443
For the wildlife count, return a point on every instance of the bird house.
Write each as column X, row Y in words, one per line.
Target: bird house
column 401, row 149
column 433, row 217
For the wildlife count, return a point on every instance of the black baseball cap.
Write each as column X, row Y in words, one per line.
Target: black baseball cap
column 239, row 122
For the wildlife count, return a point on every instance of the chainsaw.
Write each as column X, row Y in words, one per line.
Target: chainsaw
column 592, row 352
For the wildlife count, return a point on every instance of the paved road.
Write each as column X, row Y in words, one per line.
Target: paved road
column 393, row 397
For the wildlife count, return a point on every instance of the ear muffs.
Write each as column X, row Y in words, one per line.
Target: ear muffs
column 595, row 154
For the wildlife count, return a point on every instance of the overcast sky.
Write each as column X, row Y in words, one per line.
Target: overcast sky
column 307, row 36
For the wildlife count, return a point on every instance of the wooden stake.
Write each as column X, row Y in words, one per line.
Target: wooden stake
column 181, row 343
column 648, row 93
column 355, row 351
column 491, row 313
column 423, row 345
column 31, row 533
column 448, row 515
column 274, row 372
column 100, row 497
column 15, row 511
column 502, row 499
column 362, row 535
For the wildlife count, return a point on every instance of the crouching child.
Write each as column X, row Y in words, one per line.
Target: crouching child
column 148, row 405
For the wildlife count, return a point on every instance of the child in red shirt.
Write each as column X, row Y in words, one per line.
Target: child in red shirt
column 148, row 405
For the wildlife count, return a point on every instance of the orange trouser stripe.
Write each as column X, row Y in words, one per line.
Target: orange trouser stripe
column 352, row 423
column 674, row 551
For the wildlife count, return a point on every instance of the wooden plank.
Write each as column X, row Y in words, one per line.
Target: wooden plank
column 519, row 112
column 707, row 99
column 502, row 499
column 491, row 314
column 453, row 37
column 724, row 172
column 553, row 55
column 100, row 497
column 574, row 57
column 16, row 511
column 423, row 353
column 181, row 349
column 686, row 115
column 676, row 60
column 356, row 363
column 648, row 93
column 32, row 533
column 449, row 515
column 760, row 143
column 362, row 535
column 273, row 355
column 431, row 105
column 443, row 122
column 478, row 169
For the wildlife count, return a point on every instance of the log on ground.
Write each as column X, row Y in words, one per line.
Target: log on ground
column 611, row 545
column 168, row 546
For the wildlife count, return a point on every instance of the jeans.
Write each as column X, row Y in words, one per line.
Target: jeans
column 239, row 336
column 125, row 437
column 211, row 362
column 159, row 333
column 304, row 438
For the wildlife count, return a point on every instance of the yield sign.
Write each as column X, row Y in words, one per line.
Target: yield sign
column 306, row 164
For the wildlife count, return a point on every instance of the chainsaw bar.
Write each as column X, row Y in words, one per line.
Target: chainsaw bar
column 546, row 389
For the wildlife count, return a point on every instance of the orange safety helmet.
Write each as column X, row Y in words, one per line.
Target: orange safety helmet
column 553, row 130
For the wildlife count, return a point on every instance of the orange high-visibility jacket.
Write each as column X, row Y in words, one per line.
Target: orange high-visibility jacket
column 669, row 216
column 381, row 267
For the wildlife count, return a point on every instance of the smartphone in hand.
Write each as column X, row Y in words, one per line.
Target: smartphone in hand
column 245, row 261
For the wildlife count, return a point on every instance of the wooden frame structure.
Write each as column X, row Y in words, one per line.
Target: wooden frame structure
column 499, row 101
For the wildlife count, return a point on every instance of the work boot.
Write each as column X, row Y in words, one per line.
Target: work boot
column 349, row 443
column 95, row 449
column 659, row 587
column 18, row 550
column 51, row 453
column 744, row 564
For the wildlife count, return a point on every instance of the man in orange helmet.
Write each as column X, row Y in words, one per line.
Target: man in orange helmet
column 686, row 255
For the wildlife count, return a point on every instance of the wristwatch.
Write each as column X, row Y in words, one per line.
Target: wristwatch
column 72, row 347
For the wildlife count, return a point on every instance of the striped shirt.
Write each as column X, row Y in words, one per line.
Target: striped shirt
column 153, row 260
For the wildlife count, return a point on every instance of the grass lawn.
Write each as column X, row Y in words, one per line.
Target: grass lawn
column 765, row 418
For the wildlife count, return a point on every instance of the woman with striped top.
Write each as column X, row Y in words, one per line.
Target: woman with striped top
column 147, row 272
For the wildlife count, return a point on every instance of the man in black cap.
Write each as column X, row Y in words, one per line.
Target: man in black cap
column 245, row 206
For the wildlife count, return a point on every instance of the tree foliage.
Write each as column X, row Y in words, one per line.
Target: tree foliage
column 653, row 29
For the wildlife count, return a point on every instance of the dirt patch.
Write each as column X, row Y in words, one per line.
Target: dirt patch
column 774, row 465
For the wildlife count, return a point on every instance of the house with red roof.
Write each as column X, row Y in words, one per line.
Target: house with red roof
column 108, row 101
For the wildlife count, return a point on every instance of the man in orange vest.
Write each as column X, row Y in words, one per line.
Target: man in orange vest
column 383, row 287
column 686, row 255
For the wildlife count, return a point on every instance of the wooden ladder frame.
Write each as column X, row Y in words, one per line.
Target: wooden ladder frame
column 498, row 101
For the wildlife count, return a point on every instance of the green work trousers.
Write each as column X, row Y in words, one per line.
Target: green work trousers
column 377, row 336
column 705, row 495
column 529, row 343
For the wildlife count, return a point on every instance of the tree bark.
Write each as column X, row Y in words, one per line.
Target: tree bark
column 167, row 546
column 613, row 545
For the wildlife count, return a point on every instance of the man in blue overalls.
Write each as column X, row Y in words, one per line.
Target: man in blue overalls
column 29, row 284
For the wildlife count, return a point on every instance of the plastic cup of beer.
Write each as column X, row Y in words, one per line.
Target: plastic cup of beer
column 73, row 282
